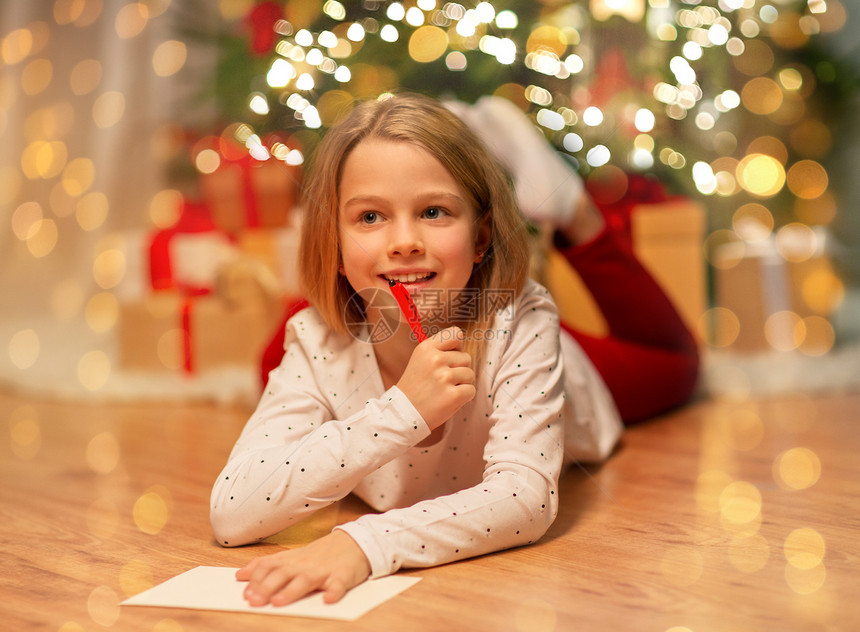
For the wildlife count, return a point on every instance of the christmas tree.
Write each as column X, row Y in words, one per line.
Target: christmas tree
column 720, row 99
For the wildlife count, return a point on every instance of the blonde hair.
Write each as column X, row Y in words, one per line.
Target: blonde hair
column 424, row 122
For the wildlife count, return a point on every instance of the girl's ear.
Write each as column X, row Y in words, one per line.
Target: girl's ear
column 483, row 238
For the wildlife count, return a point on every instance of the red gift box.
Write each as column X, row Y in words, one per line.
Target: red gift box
column 249, row 193
column 186, row 256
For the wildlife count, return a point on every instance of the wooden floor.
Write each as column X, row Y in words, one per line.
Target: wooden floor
column 723, row 516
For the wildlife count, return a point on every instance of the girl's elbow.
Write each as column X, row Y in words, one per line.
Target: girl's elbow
column 229, row 528
column 541, row 511
column 220, row 529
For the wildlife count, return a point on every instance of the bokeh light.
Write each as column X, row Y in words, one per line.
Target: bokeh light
column 80, row 14
column 152, row 510
column 25, row 432
column 427, row 44
column 761, row 175
column 26, row 220
column 168, row 625
column 797, row 468
column 131, row 20
column 805, row 581
column 718, row 326
column 740, row 503
column 24, row 348
column 109, row 268
column 103, row 453
column 85, row 76
column 807, row 179
column 37, row 76
column 804, row 548
column 753, row 221
column 16, row 46
column 820, row 336
column 770, row 146
column 94, row 369
column 108, row 109
column 92, row 210
column 103, row 606
column 102, row 312
column 78, row 176
column 169, row 58
column 784, row 330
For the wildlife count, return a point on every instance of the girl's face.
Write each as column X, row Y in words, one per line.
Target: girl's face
column 402, row 216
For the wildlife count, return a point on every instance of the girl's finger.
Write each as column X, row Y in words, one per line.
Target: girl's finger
column 335, row 589
column 298, row 587
column 448, row 339
column 461, row 375
column 244, row 573
column 263, row 585
column 458, row 359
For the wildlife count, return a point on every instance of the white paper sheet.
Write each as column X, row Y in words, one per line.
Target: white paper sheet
column 216, row 588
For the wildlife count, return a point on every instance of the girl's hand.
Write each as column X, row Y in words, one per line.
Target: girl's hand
column 332, row 564
column 439, row 379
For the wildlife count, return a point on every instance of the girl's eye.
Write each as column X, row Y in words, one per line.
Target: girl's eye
column 434, row 212
column 369, row 218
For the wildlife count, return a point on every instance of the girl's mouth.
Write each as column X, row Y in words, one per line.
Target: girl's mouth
column 411, row 277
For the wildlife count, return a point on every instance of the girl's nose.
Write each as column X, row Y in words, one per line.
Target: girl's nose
column 405, row 239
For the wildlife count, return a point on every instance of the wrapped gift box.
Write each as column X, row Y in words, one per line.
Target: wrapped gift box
column 667, row 238
column 278, row 249
column 752, row 285
column 251, row 194
column 187, row 255
column 169, row 331
column 196, row 258
column 754, row 281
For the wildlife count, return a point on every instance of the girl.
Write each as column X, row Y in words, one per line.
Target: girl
column 458, row 441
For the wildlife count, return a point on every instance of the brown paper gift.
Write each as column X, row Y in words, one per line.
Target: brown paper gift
column 752, row 285
column 224, row 334
column 667, row 239
column 170, row 332
column 754, row 281
column 151, row 334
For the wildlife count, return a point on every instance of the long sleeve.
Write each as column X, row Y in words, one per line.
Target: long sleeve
column 516, row 417
column 314, row 436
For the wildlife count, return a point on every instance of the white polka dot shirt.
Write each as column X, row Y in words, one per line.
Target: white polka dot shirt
column 326, row 427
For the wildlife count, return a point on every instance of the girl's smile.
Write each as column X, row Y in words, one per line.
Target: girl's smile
column 402, row 216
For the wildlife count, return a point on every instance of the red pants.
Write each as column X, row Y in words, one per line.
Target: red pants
column 649, row 360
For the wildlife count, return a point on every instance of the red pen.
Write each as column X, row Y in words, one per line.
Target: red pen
column 404, row 301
